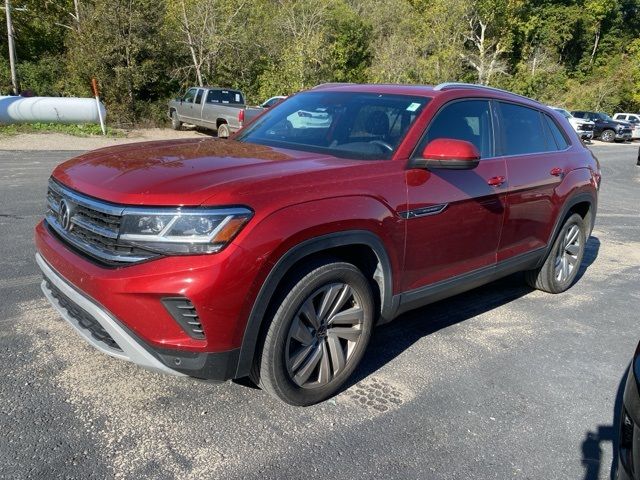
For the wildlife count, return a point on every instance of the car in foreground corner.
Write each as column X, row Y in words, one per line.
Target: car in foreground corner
column 629, row 429
column 273, row 254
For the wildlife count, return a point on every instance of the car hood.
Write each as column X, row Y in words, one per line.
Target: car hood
column 186, row 172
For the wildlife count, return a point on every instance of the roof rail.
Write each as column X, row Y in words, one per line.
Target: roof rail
column 452, row 85
column 331, row 84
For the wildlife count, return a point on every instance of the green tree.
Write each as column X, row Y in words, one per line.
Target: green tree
column 124, row 44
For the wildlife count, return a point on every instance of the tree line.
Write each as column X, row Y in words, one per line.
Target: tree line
column 581, row 54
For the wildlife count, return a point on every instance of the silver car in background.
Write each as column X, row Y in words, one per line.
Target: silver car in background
column 633, row 119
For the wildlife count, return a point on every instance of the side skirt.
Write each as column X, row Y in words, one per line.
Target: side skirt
column 447, row 288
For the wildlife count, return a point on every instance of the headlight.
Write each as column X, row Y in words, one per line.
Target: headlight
column 180, row 230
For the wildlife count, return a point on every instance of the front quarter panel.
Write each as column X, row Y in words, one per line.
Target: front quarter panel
column 289, row 229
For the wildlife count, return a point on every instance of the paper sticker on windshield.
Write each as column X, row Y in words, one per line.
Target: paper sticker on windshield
column 413, row 107
column 237, row 98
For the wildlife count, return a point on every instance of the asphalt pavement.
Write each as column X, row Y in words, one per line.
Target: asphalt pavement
column 501, row 382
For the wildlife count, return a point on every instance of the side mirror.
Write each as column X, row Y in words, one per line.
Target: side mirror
column 448, row 153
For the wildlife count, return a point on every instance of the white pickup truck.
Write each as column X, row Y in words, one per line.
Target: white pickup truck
column 214, row 108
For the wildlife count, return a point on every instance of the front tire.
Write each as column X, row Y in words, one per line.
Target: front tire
column 176, row 124
column 608, row 136
column 317, row 335
column 560, row 268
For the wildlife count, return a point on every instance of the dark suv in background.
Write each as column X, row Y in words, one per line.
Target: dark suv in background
column 606, row 128
column 273, row 254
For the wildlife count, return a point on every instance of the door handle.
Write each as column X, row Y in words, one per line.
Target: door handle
column 496, row 181
column 556, row 171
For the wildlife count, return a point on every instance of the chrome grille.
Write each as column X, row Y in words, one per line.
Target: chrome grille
column 585, row 127
column 90, row 226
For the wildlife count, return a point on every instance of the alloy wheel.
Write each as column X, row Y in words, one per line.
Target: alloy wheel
column 567, row 259
column 323, row 335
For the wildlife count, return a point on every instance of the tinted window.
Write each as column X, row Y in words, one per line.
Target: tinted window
column 621, row 117
column 522, row 130
column 557, row 140
column 346, row 124
column 199, row 97
column 578, row 114
column 190, row 95
column 468, row 120
column 230, row 97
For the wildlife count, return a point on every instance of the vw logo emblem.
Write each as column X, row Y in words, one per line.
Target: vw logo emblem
column 64, row 212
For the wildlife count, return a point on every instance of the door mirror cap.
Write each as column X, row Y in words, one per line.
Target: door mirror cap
column 448, row 153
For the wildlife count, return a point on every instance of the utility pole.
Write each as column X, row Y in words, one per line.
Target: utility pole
column 12, row 48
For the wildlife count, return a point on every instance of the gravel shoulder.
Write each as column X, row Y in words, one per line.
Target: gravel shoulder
column 62, row 142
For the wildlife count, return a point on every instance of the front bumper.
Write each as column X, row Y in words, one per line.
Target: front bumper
column 623, row 136
column 104, row 332
column 127, row 302
column 585, row 135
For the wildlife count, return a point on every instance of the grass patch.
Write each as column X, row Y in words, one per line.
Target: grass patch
column 84, row 130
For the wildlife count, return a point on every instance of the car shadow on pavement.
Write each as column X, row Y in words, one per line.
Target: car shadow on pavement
column 593, row 442
column 392, row 339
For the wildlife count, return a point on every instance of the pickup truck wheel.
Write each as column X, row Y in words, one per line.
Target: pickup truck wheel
column 608, row 136
column 317, row 335
column 223, row 131
column 561, row 266
column 176, row 124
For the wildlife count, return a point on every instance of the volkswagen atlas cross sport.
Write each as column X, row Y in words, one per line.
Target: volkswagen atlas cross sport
column 273, row 254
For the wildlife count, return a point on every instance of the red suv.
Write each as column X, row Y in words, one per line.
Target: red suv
column 274, row 254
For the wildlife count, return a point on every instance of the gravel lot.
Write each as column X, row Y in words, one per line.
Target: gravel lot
column 501, row 382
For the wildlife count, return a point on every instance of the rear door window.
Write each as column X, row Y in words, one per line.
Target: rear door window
column 522, row 130
column 556, row 140
column 199, row 96
column 468, row 120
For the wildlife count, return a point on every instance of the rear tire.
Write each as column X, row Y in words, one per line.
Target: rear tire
column 318, row 334
column 560, row 268
column 176, row 124
column 608, row 136
column 223, row 131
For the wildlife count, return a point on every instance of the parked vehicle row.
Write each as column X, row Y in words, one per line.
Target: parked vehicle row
column 225, row 111
column 584, row 128
column 605, row 128
column 274, row 254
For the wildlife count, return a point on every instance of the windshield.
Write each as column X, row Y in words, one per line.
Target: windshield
column 604, row 116
column 344, row 124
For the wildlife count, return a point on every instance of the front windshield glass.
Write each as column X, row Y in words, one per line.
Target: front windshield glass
column 604, row 116
column 344, row 124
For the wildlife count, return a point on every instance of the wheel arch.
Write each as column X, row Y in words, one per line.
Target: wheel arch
column 348, row 246
column 583, row 203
